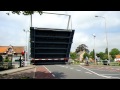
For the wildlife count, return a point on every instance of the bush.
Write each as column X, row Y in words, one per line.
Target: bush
column 6, row 60
column 115, row 63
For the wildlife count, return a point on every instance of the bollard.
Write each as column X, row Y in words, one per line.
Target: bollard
column 20, row 61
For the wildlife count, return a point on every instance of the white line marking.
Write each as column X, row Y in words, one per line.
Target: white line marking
column 78, row 70
column 98, row 69
column 49, row 71
column 71, row 68
column 60, row 65
column 66, row 67
column 115, row 77
column 34, row 72
column 96, row 73
column 88, row 72
column 110, row 74
column 53, row 75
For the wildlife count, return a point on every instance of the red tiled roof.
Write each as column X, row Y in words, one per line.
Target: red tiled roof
column 16, row 49
column 117, row 56
column 3, row 49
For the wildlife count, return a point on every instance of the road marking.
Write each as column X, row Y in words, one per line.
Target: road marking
column 98, row 69
column 97, row 73
column 88, row 72
column 34, row 72
column 116, row 77
column 71, row 68
column 49, row 71
column 78, row 70
column 53, row 75
column 66, row 67
column 110, row 74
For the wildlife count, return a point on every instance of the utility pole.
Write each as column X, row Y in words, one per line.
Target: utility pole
column 106, row 35
column 26, row 46
column 94, row 48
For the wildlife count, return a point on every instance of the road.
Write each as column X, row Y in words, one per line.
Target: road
column 81, row 72
column 67, row 72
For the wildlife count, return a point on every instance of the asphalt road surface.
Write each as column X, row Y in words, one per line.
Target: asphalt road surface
column 82, row 72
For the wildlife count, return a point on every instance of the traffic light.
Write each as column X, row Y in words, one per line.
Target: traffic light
column 23, row 53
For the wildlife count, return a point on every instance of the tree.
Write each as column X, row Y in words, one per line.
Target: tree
column 82, row 47
column 92, row 54
column 24, row 12
column 85, row 55
column 114, row 52
column 106, row 51
column 101, row 55
column 105, row 56
column 73, row 55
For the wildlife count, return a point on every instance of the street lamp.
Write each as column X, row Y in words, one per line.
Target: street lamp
column 94, row 48
column 26, row 50
column 105, row 33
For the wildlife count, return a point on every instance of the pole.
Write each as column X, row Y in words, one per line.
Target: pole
column 31, row 19
column 20, row 61
column 26, row 48
column 94, row 50
column 68, row 22
column 106, row 39
column 106, row 35
column 28, row 42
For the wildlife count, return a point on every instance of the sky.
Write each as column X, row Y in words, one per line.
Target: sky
column 84, row 23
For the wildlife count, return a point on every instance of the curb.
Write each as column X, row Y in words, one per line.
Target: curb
column 6, row 73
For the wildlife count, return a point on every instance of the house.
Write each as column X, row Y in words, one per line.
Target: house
column 81, row 53
column 11, row 51
column 117, row 58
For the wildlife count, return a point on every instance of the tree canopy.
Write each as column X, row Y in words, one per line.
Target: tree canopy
column 106, row 51
column 25, row 12
column 92, row 54
column 82, row 47
column 73, row 55
column 114, row 52
column 85, row 55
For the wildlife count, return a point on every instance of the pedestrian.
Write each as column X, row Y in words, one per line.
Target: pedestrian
column 87, row 63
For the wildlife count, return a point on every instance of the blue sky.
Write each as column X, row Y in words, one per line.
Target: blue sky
column 83, row 22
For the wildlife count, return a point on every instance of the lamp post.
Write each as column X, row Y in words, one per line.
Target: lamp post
column 26, row 50
column 106, row 34
column 94, row 48
column 31, row 19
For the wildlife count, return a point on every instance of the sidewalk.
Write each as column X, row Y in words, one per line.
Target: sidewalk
column 16, row 70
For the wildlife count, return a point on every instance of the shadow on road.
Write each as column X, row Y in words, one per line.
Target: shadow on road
column 59, row 75
column 46, row 75
column 27, row 74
